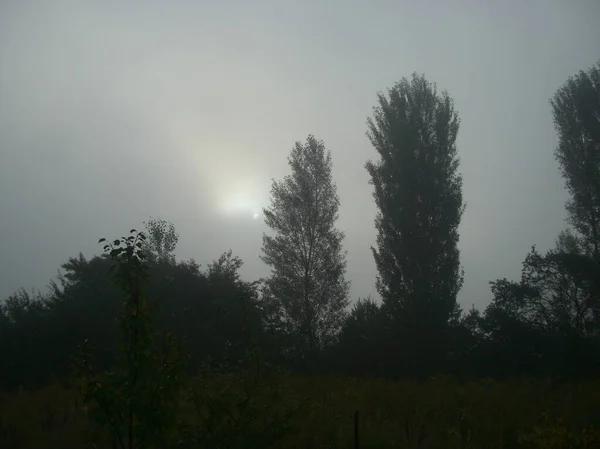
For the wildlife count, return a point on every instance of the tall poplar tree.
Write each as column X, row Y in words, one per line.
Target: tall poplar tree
column 307, row 290
column 418, row 192
column 576, row 113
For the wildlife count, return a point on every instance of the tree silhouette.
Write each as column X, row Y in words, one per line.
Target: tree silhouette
column 161, row 240
column 419, row 196
column 549, row 321
column 359, row 351
column 213, row 310
column 307, row 290
column 545, row 323
column 576, row 112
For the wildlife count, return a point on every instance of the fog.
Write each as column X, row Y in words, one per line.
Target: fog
column 112, row 112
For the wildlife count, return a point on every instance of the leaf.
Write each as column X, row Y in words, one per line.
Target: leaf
column 102, row 240
column 117, row 242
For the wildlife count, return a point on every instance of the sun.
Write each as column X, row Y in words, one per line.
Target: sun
column 241, row 203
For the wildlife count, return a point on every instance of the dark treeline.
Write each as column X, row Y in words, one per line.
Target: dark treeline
column 546, row 324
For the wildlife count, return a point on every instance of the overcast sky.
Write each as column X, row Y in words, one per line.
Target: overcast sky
column 114, row 111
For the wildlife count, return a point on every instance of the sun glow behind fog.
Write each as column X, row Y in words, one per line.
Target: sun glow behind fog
column 226, row 172
column 241, row 203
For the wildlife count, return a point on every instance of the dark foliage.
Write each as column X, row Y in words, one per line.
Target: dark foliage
column 212, row 310
column 418, row 192
column 576, row 112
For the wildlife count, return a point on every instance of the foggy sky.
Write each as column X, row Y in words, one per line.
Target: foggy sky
column 111, row 112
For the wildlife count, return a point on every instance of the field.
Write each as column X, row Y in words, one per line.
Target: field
column 301, row 412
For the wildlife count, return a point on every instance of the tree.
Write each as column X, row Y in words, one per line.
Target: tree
column 23, row 335
column 307, row 292
column 227, row 266
column 214, row 311
column 137, row 398
column 235, row 313
column 549, row 321
column 359, row 350
column 161, row 240
column 576, row 112
column 418, row 192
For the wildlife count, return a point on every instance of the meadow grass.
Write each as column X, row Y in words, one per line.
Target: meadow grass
column 318, row 412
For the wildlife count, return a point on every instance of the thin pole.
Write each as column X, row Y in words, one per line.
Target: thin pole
column 356, row 440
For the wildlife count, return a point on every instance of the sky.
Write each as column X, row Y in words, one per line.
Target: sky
column 112, row 112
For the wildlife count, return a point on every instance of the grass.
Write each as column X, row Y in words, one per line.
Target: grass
column 309, row 412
